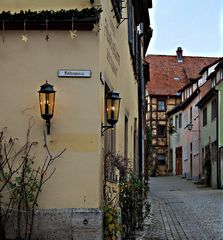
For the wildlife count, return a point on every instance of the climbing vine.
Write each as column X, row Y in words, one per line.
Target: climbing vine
column 21, row 182
column 125, row 201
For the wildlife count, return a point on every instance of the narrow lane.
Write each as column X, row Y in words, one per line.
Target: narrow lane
column 183, row 210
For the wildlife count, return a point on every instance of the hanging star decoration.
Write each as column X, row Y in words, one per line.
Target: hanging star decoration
column 96, row 28
column 73, row 34
column 25, row 38
column 3, row 31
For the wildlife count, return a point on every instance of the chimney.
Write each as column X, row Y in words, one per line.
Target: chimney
column 179, row 55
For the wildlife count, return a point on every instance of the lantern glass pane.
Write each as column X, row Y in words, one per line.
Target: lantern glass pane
column 47, row 104
column 112, row 110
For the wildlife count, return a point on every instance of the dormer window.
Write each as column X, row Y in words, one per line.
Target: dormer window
column 176, row 78
column 219, row 71
column 204, row 77
column 190, row 91
column 213, row 82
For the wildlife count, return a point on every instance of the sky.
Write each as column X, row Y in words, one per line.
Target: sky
column 194, row 25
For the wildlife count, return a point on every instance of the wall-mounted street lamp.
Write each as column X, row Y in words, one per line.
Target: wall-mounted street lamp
column 112, row 103
column 190, row 127
column 47, row 102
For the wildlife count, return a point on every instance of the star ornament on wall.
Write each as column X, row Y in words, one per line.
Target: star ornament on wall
column 25, row 38
column 73, row 34
column 96, row 28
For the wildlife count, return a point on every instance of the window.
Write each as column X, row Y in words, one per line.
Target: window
column 191, row 114
column 161, row 159
column 176, row 122
column 214, row 109
column 132, row 38
column 219, row 76
column 117, row 6
column 176, row 78
column 180, row 120
column 131, row 27
column 190, row 91
column 204, row 117
column 161, row 105
column 213, row 82
column 109, row 146
column 161, row 130
column 126, row 139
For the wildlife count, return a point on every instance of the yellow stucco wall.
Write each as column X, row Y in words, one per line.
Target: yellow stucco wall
column 116, row 66
column 76, row 124
column 79, row 110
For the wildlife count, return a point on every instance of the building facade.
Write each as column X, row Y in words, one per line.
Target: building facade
column 168, row 75
column 211, row 127
column 85, row 49
column 201, row 129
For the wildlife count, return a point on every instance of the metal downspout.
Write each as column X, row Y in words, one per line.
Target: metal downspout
column 219, row 149
column 140, row 110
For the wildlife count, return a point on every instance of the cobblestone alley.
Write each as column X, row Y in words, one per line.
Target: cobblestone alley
column 183, row 210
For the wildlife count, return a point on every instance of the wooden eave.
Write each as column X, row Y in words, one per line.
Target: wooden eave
column 164, row 96
column 141, row 11
column 211, row 75
column 220, row 65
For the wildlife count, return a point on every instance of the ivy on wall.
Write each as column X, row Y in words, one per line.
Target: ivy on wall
column 50, row 15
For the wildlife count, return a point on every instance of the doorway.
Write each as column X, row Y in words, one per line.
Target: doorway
column 179, row 161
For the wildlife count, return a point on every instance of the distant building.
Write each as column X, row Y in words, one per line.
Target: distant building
column 168, row 75
column 191, row 146
column 211, row 127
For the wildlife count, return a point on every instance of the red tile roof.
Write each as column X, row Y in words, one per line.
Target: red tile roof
column 167, row 75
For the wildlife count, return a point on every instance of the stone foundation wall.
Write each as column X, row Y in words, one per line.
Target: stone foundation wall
column 66, row 224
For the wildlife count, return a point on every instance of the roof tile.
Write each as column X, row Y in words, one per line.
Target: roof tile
column 167, row 75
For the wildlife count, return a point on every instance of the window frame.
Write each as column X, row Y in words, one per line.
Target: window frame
column 180, row 120
column 176, row 122
column 161, row 160
column 213, row 109
column 191, row 114
column 205, row 116
column 163, row 130
column 109, row 143
column 161, row 100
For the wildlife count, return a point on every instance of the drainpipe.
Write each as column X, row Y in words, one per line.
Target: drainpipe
column 218, row 149
column 141, row 108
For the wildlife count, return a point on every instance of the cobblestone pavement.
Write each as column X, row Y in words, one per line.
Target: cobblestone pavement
column 183, row 210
